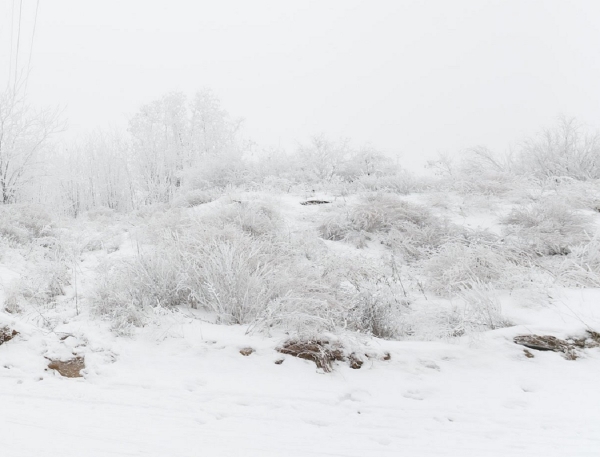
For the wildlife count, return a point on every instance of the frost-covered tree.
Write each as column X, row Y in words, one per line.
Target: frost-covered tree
column 322, row 159
column 24, row 136
column 173, row 135
column 567, row 150
column 96, row 172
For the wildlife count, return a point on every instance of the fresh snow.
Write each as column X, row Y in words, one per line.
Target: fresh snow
column 181, row 387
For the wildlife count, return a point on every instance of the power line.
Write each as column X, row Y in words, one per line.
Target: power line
column 37, row 6
column 18, row 42
column 12, row 34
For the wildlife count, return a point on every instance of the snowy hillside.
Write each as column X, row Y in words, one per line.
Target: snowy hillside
column 421, row 294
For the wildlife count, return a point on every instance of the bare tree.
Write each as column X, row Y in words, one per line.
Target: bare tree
column 567, row 150
column 24, row 133
column 173, row 135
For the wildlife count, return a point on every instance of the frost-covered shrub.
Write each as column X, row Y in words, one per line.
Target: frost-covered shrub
column 377, row 213
column 584, row 195
column 376, row 307
column 196, row 197
column 482, row 172
column 415, row 243
column 126, row 290
column 457, row 266
column 410, row 230
column 489, row 183
column 277, row 183
column 217, row 172
column 401, row 183
column 478, row 171
column 480, row 310
column 567, row 150
column 255, row 218
column 22, row 223
column 40, row 285
column 473, row 309
column 235, row 278
column 547, row 227
column 100, row 213
column 581, row 268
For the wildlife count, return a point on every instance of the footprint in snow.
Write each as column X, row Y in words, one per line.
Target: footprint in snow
column 355, row 395
column 317, row 422
column 413, row 395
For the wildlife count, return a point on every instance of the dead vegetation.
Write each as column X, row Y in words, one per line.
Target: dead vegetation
column 568, row 348
column 7, row 334
column 69, row 368
column 322, row 352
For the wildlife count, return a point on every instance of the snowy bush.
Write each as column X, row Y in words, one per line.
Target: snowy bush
column 255, row 218
column 21, row 223
column 46, row 274
column 196, row 197
column 457, row 266
column 480, row 310
column 217, row 172
column 472, row 310
column 410, row 230
column 400, row 183
column 232, row 272
column 235, row 278
column 126, row 290
column 376, row 307
column 567, row 150
column 378, row 213
column 547, row 227
column 581, row 268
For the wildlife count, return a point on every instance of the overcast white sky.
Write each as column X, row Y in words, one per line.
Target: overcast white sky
column 411, row 77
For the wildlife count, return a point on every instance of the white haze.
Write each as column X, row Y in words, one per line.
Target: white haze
column 412, row 78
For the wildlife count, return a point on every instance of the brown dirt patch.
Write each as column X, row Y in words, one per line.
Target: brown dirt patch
column 246, row 351
column 70, row 368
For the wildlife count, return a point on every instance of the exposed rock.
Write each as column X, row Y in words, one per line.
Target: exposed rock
column 246, row 351
column 322, row 352
column 542, row 343
column 7, row 334
column 355, row 362
column 569, row 348
column 314, row 202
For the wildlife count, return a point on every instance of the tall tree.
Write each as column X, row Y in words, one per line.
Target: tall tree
column 173, row 135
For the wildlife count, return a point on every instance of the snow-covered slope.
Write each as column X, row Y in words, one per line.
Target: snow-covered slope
column 180, row 386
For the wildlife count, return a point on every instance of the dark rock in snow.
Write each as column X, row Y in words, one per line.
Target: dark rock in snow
column 7, row 334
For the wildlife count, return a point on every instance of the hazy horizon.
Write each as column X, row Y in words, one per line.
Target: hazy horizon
column 413, row 79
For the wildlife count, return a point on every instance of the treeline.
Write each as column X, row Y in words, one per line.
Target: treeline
column 186, row 150
column 172, row 147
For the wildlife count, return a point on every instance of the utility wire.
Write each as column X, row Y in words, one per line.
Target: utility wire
column 18, row 42
column 12, row 34
column 37, row 6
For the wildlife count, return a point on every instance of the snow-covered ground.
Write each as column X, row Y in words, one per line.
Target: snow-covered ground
column 181, row 387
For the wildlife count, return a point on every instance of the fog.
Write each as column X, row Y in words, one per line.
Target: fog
column 412, row 78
